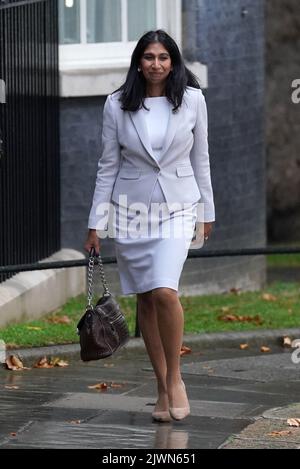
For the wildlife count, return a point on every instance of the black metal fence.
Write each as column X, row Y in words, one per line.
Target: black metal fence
column 29, row 132
column 13, row 269
column 197, row 253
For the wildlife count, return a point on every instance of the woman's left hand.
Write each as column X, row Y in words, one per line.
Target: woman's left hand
column 207, row 230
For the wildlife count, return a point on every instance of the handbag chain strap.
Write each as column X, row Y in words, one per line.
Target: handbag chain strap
column 90, row 277
column 102, row 275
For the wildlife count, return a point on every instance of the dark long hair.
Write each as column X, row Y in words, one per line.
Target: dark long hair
column 133, row 90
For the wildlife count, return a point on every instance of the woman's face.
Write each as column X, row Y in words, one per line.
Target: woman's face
column 156, row 63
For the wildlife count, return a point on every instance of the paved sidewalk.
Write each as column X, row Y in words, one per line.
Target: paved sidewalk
column 239, row 399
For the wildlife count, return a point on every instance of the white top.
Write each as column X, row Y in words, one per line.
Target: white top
column 157, row 121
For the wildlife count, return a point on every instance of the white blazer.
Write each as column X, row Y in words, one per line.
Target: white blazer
column 127, row 165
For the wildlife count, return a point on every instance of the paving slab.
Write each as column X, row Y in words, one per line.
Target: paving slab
column 258, row 368
column 55, row 408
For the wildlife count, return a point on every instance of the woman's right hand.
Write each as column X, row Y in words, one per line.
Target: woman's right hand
column 92, row 241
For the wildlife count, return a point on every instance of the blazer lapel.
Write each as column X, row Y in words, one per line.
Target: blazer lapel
column 171, row 129
column 141, row 128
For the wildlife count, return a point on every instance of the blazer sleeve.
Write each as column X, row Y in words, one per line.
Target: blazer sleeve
column 200, row 159
column 108, row 166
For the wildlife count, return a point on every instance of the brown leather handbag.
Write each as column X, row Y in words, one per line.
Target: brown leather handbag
column 102, row 329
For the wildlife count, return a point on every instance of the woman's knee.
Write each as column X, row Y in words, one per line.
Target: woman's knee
column 164, row 295
column 145, row 300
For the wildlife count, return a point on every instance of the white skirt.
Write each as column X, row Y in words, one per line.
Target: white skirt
column 151, row 247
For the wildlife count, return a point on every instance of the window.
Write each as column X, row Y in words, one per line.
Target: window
column 108, row 29
column 105, row 20
column 97, row 38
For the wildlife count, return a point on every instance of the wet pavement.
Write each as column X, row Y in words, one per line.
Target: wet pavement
column 238, row 398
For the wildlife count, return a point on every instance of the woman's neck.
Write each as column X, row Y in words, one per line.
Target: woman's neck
column 155, row 91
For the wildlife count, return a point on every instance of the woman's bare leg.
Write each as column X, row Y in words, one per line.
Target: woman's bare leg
column 147, row 318
column 170, row 323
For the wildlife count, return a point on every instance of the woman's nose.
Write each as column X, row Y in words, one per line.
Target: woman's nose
column 156, row 63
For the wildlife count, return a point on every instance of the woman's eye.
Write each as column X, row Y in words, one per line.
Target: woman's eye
column 149, row 57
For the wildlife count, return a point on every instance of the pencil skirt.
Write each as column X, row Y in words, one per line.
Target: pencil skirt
column 152, row 245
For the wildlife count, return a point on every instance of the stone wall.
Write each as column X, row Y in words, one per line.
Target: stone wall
column 282, row 119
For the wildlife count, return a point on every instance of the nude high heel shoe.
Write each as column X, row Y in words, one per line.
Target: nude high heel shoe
column 179, row 413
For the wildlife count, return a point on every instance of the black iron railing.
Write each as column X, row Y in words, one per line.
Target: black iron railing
column 193, row 254
column 29, row 132
column 197, row 253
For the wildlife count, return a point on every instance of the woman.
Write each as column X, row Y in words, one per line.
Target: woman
column 155, row 151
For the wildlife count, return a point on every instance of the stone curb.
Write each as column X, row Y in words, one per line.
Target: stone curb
column 268, row 431
column 205, row 341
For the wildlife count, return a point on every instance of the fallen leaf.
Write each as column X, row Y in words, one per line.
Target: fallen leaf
column 268, row 297
column 14, row 363
column 265, row 349
column 77, row 422
column 287, row 342
column 185, row 350
column 239, row 318
column 62, row 363
column 280, row 433
column 11, row 387
column 225, row 309
column 293, row 422
column 116, row 385
column 244, row 346
column 100, row 386
column 43, row 363
column 33, row 328
column 59, row 320
column 256, row 319
column 209, row 369
column 228, row 317
column 9, row 365
column 56, row 361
